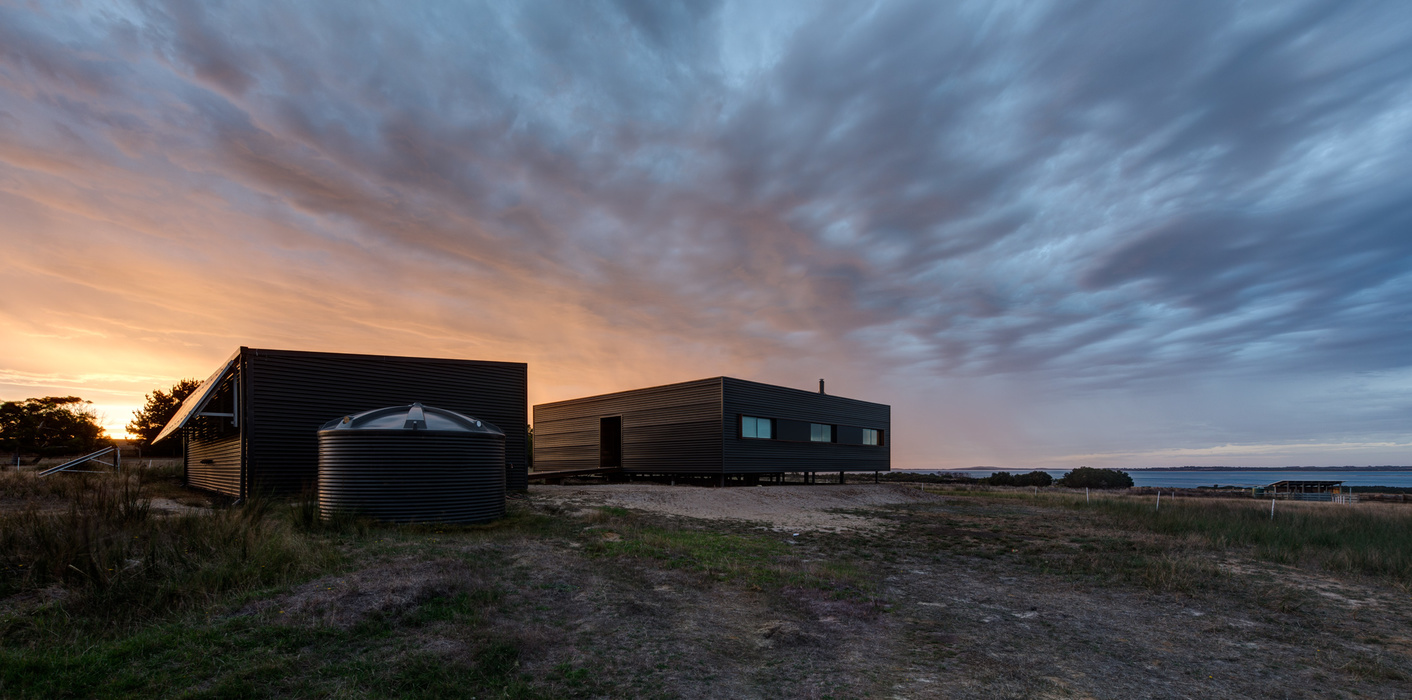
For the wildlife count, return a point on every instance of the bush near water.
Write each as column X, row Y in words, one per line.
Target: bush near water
column 1034, row 478
column 1082, row 477
column 1090, row 478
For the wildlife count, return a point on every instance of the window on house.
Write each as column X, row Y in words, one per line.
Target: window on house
column 752, row 427
column 872, row 437
column 819, row 432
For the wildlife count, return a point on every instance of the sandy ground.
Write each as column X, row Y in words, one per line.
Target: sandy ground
column 795, row 508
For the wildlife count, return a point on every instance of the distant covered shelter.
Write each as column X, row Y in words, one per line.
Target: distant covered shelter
column 1304, row 490
column 252, row 426
column 715, row 427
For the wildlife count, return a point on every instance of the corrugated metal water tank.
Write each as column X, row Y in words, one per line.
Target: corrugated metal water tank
column 412, row 464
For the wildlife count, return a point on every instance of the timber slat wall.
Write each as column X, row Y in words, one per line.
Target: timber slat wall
column 692, row 428
column 673, row 428
column 290, row 394
column 744, row 455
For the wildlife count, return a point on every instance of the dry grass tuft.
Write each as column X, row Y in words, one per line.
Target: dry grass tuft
column 97, row 538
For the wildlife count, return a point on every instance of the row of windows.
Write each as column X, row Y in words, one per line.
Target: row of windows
column 764, row 429
column 752, row 427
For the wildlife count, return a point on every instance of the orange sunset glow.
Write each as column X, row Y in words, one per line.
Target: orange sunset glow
column 1013, row 241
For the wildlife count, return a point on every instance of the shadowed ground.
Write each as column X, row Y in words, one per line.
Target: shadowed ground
column 653, row 591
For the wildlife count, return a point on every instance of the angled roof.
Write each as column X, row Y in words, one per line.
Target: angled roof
column 198, row 399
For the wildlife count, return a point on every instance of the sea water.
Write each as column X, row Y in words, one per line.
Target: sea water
column 1190, row 479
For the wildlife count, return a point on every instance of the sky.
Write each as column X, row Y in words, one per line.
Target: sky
column 1110, row 234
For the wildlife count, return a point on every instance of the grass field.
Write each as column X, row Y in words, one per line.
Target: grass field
column 1371, row 538
column 959, row 593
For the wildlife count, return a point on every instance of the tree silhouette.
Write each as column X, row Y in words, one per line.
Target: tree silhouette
column 160, row 407
column 50, row 425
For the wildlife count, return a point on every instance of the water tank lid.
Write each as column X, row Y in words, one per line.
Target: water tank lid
column 412, row 418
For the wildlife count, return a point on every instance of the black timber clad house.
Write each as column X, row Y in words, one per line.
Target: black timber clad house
column 252, row 426
column 701, row 428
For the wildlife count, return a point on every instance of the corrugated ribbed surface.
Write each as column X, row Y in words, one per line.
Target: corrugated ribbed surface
column 223, row 473
column 783, row 403
column 666, row 429
column 412, row 476
column 291, row 394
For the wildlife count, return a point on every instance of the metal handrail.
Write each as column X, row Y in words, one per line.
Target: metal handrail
column 117, row 460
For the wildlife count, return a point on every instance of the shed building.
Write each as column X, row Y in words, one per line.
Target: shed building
column 713, row 427
column 252, row 426
column 1305, row 490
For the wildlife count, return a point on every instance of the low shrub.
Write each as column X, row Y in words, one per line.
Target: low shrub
column 1034, row 478
column 1090, row 478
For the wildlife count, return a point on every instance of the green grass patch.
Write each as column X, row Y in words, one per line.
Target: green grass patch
column 1364, row 539
column 726, row 555
column 252, row 658
column 464, row 607
column 758, row 561
column 1367, row 539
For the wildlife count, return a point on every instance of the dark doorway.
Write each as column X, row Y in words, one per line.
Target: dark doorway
column 610, row 442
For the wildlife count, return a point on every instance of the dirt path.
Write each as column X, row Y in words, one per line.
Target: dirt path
column 792, row 508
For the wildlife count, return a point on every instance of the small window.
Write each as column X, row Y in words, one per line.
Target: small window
column 872, row 437
column 759, row 428
column 819, row 432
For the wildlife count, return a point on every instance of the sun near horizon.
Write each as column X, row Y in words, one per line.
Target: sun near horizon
column 1046, row 235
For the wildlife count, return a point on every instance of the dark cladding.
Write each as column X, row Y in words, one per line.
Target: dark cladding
column 714, row 426
column 412, row 464
column 257, row 427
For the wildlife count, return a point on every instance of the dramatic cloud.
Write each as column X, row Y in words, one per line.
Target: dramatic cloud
column 1102, row 233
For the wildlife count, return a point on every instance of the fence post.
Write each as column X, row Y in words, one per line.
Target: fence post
column 1272, row 509
column 1085, row 494
column 1159, row 500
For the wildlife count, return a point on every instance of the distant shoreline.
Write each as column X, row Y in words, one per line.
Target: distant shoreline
column 1282, row 469
column 1181, row 469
